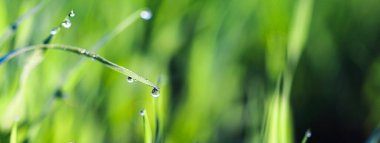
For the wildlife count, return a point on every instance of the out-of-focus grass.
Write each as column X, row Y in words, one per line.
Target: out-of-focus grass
column 230, row 71
column 14, row 133
column 148, row 137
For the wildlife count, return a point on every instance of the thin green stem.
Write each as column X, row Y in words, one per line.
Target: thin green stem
column 306, row 136
column 79, row 51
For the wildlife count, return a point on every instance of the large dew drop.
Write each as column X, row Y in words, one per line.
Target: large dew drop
column 66, row 23
column 146, row 14
column 142, row 112
column 155, row 92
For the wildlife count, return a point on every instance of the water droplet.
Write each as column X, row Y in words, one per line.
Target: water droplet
column 155, row 92
column 146, row 14
column 71, row 14
column 130, row 79
column 54, row 31
column 66, row 23
column 58, row 94
column 308, row 133
column 82, row 51
column 142, row 112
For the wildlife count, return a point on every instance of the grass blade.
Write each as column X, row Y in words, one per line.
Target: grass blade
column 81, row 52
column 32, row 61
column 14, row 133
column 123, row 25
column 148, row 137
column 307, row 136
column 299, row 31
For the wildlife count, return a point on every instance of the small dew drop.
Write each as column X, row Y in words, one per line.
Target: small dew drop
column 142, row 113
column 71, row 14
column 130, row 79
column 82, row 51
column 66, row 23
column 146, row 14
column 308, row 134
column 54, row 31
column 155, row 92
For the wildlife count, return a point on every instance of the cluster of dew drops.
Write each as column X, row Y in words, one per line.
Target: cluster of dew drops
column 144, row 14
column 65, row 23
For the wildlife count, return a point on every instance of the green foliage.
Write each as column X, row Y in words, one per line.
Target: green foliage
column 14, row 133
column 225, row 71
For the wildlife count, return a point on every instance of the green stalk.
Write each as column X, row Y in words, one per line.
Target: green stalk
column 148, row 137
column 14, row 133
column 81, row 52
column 306, row 136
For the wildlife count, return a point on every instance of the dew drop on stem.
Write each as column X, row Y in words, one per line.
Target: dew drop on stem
column 54, row 31
column 93, row 57
column 82, row 51
column 146, row 14
column 155, row 92
column 66, row 23
column 308, row 133
column 130, row 79
column 142, row 112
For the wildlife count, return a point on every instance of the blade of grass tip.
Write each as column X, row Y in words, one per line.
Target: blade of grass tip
column 306, row 136
column 119, row 28
column 156, row 110
column 14, row 133
column 148, row 138
column 82, row 52
column 13, row 27
column 37, row 56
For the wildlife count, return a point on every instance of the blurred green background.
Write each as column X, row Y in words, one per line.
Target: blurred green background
column 229, row 71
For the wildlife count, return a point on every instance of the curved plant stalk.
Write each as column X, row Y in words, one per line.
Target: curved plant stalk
column 82, row 52
column 17, row 106
column 123, row 25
